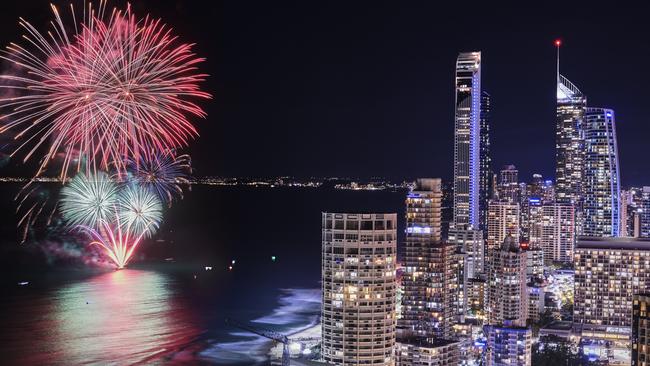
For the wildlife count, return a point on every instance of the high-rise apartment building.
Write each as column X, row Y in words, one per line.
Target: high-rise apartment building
column 485, row 189
column 625, row 201
column 508, row 184
column 503, row 221
column 641, row 330
column 569, row 144
column 467, row 139
column 359, row 288
column 508, row 346
column 470, row 247
column 430, row 281
column 418, row 351
column 608, row 273
column 553, row 231
column 506, row 282
column 601, row 175
column 644, row 214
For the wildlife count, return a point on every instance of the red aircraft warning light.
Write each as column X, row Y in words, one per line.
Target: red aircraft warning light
column 558, row 42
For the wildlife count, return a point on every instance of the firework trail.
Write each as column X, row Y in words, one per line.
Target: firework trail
column 35, row 206
column 117, row 243
column 89, row 200
column 116, row 89
column 163, row 174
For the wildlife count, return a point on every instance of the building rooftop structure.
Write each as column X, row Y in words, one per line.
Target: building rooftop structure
column 614, row 243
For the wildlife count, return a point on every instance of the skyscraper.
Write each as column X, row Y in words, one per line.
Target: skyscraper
column 485, row 191
column 569, row 143
column 641, row 330
column 359, row 288
column 430, row 281
column 508, row 346
column 553, row 231
column 601, row 175
column 507, row 291
column 417, row 351
column 608, row 272
column 503, row 221
column 467, row 139
column 644, row 214
column 508, row 184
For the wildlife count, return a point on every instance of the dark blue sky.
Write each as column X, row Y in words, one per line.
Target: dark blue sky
column 366, row 88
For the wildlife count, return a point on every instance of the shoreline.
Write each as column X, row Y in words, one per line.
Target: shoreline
column 273, row 350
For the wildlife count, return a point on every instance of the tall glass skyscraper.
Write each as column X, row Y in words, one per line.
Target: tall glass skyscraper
column 467, row 139
column 601, row 175
column 569, row 144
column 485, row 162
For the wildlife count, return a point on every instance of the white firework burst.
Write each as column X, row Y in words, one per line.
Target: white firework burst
column 139, row 211
column 89, row 200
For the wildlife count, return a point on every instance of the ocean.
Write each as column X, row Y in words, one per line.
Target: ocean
column 169, row 307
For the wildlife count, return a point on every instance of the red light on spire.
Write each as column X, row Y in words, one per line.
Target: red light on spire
column 558, row 42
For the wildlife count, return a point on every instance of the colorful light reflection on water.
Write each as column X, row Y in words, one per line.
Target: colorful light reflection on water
column 128, row 317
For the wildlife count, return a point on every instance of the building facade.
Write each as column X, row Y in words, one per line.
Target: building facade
column 427, row 352
column 641, row 330
column 643, row 214
column 553, row 230
column 470, row 246
column 430, row 281
column 359, row 288
column 508, row 346
column 601, row 175
column 507, row 291
column 569, row 146
column 485, row 182
column 503, row 221
column 508, row 184
column 608, row 273
column 467, row 139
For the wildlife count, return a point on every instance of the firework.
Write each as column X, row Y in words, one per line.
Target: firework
column 89, row 200
column 139, row 210
column 118, row 244
column 35, row 206
column 163, row 174
column 116, row 89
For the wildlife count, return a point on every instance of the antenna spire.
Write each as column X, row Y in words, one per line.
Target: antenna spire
column 558, row 43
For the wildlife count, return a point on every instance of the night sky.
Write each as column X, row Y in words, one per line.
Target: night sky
column 351, row 88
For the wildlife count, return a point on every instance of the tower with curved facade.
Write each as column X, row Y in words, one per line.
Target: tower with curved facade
column 601, row 175
column 359, row 290
column 569, row 145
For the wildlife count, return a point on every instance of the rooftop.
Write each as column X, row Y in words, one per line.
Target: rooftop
column 613, row 243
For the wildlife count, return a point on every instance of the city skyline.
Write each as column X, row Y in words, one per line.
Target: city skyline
column 408, row 212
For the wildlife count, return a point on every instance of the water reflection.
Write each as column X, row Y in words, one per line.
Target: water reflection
column 122, row 317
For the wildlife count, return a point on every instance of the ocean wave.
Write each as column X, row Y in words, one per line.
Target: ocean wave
column 297, row 310
column 295, row 306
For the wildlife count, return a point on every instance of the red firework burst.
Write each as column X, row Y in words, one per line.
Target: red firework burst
column 115, row 90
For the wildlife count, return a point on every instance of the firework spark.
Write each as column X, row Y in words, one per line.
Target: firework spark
column 139, row 210
column 36, row 206
column 118, row 244
column 163, row 174
column 89, row 200
column 117, row 89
